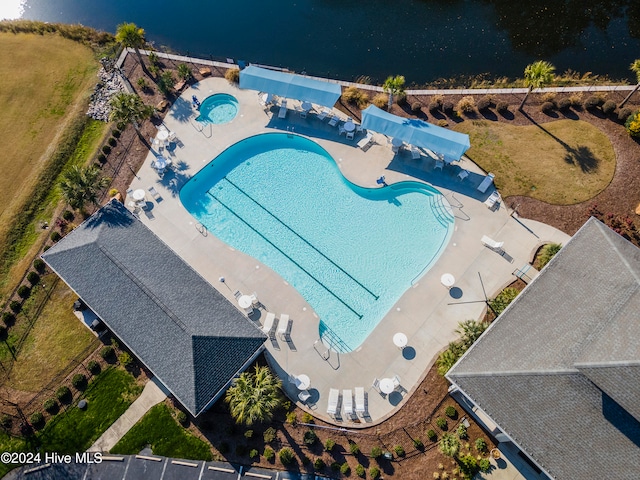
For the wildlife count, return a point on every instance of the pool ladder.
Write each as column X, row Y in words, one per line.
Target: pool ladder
column 290, row 131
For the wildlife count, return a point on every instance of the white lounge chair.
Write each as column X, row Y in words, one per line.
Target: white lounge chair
column 347, row 401
column 415, row 153
column 484, row 185
column 360, row 404
column 268, row 322
column 332, row 402
column 154, row 193
column 432, row 154
column 463, row 174
column 283, row 325
column 283, row 110
column 493, row 199
column 376, row 386
column 492, row 244
column 334, row 121
column 323, row 114
column 366, row 142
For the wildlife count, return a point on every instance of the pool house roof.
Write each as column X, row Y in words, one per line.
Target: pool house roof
column 416, row 132
column 558, row 370
column 185, row 331
column 289, row 85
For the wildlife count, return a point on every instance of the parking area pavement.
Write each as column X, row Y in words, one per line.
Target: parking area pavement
column 150, row 467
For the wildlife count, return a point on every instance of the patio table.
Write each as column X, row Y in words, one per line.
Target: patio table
column 302, row 381
column 306, row 106
column 447, row 280
column 163, row 135
column 386, row 385
column 245, row 301
column 349, row 126
column 138, row 194
column 400, row 340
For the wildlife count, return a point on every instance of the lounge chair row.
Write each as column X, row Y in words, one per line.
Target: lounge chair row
column 282, row 326
column 347, row 403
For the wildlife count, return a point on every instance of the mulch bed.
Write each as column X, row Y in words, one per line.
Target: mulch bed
column 430, row 398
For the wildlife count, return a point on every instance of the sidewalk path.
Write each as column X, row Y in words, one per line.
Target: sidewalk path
column 151, row 395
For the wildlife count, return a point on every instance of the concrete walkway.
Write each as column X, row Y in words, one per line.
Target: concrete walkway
column 151, row 395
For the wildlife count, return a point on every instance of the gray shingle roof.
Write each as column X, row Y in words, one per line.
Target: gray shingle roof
column 559, row 371
column 186, row 332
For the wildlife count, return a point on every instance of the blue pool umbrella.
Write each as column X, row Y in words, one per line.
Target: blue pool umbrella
column 416, row 132
column 289, row 85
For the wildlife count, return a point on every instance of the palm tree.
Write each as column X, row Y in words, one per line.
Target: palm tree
column 80, row 185
column 449, row 445
column 635, row 68
column 129, row 108
column 393, row 86
column 470, row 330
column 449, row 357
column 536, row 75
column 254, row 397
column 132, row 36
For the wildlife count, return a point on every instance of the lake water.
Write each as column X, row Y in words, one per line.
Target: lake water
column 421, row 39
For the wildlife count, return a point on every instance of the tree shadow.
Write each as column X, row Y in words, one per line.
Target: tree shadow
column 569, row 114
column 489, row 114
column 507, row 114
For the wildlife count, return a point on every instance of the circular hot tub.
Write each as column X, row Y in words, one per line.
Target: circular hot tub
column 218, row 109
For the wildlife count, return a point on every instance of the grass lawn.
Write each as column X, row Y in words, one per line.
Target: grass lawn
column 108, row 396
column 562, row 162
column 55, row 339
column 166, row 437
column 45, row 81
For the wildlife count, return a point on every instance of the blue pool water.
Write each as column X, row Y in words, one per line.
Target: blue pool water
column 351, row 252
column 219, row 108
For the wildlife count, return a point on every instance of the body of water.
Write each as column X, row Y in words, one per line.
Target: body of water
column 421, row 39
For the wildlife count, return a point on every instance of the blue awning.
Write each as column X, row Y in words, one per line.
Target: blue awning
column 288, row 85
column 416, row 132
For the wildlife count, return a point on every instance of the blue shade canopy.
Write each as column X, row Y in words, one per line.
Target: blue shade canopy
column 416, row 132
column 288, row 85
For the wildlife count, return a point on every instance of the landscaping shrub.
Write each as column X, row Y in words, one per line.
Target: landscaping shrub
column 345, row 469
column 318, row 464
column 416, row 107
column 93, row 367
column 50, row 405
column 374, row 472
column 24, row 291
column 564, row 104
column 441, row 423
column 55, row 236
column 437, row 100
column 447, row 107
column 481, row 445
column 547, row 107
column 632, row 126
column 8, row 318
column 432, row 435
column 112, row 142
column 310, row 437
column 462, row 432
column 399, row 450
column 442, row 123
column 624, row 114
column 286, row 456
column 248, row 434
column 434, row 107
column 253, row 454
column 307, row 417
column 451, row 412
column 182, row 417
column 609, row 107
column 466, row 105
column 417, row 443
column 484, row 465
column 106, row 149
column 6, row 421
column 269, row 435
column 376, row 452
column 232, row 75
column 116, row 133
column 329, row 445
column 125, row 359
column 121, row 126
column 592, row 102
column 79, row 381
column 355, row 96
column 335, row 466
column 106, row 352
column 153, row 59
column 184, row 72
column 549, row 97
column 33, row 278
column 102, row 159
column 547, row 252
column 360, row 471
column 576, row 100
column 113, row 192
column 401, row 99
column 38, row 263
column 484, row 103
column 502, row 107
column 166, row 82
column 381, row 100
column 15, row 306
column 354, row 448
column 468, row 465
column 292, row 418
column 268, row 454
column 37, row 420
column 503, row 299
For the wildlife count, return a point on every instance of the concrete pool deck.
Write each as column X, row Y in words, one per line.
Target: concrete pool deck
column 422, row 313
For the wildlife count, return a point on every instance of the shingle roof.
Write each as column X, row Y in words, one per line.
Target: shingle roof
column 185, row 331
column 559, row 370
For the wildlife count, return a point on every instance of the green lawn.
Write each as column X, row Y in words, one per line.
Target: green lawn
column 108, row 397
column 166, row 437
column 562, row 162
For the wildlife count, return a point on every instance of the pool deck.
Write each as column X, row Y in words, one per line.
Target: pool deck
column 423, row 313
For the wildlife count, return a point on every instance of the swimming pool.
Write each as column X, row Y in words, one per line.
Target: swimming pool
column 219, row 108
column 351, row 252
